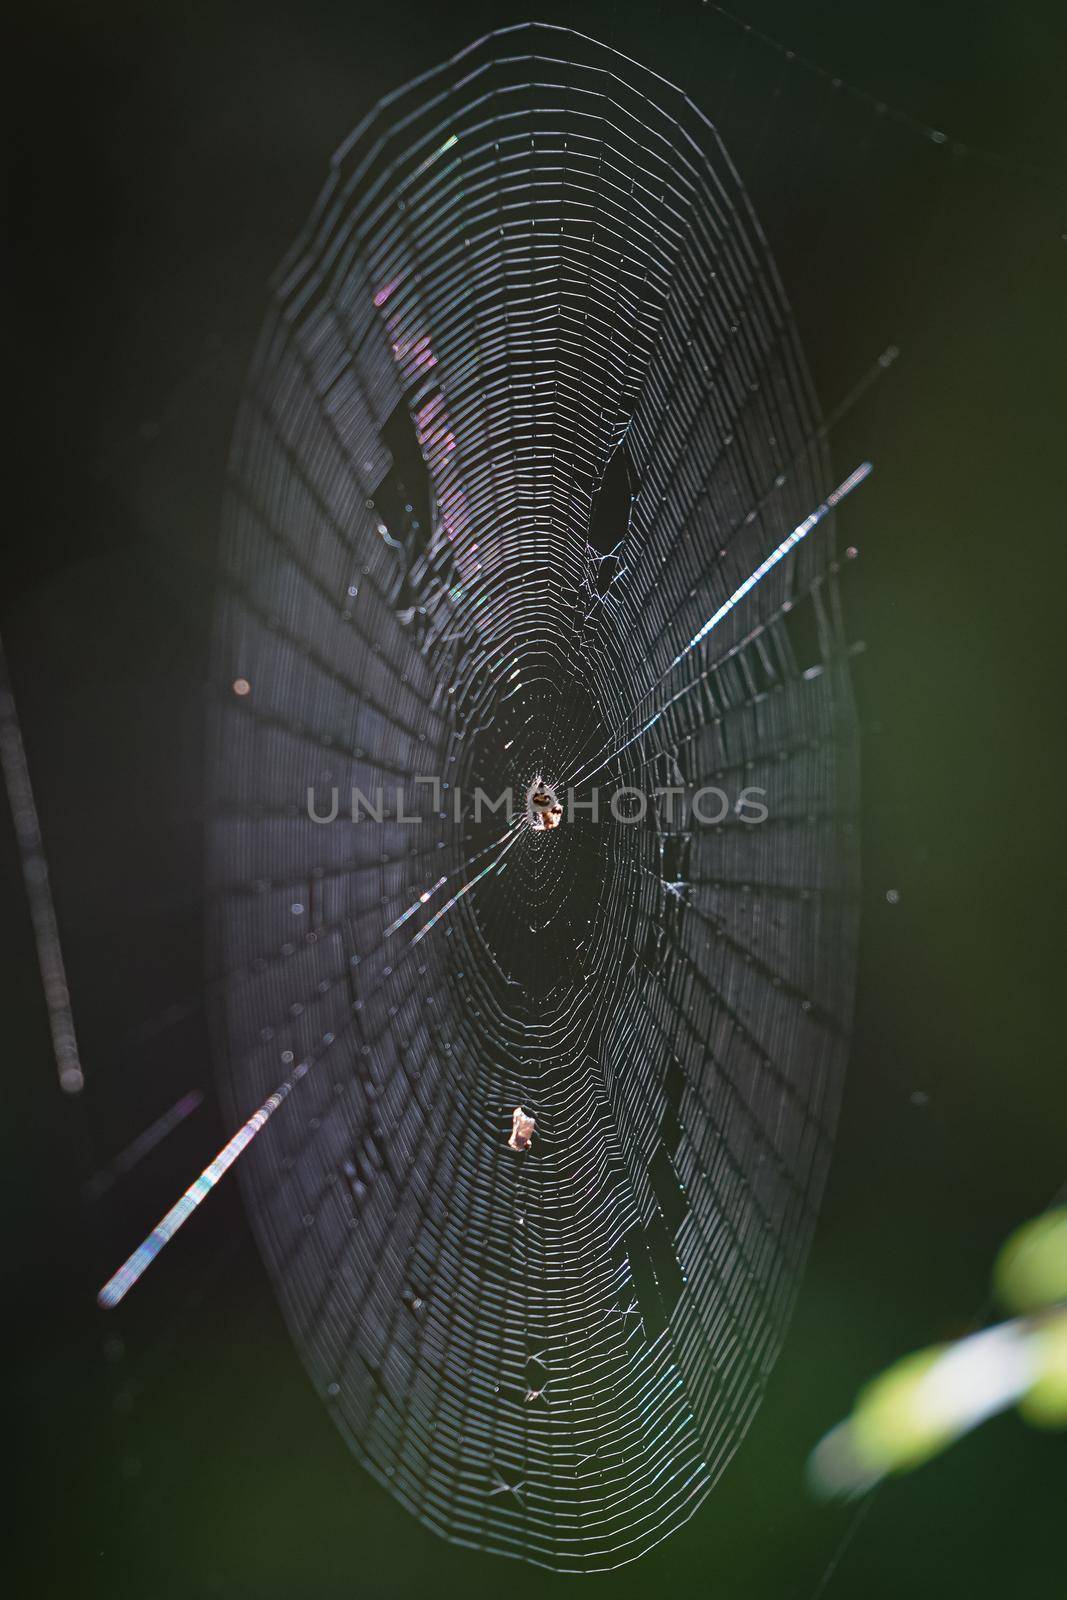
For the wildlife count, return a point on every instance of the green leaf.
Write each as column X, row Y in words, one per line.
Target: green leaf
column 1031, row 1270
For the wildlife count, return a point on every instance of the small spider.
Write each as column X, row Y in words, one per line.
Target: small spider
column 522, row 1130
column 545, row 811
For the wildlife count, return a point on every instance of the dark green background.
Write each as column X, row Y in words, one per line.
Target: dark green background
column 164, row 156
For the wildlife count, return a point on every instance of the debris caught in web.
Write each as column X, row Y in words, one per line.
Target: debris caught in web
column 522, row 1130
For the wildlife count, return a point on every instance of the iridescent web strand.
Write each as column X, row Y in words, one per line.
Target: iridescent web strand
column 121, row 1282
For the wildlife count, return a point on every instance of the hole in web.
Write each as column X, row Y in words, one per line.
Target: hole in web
column 656, row 1275
column 611, row 507
column 801, row 627
column 403, row 498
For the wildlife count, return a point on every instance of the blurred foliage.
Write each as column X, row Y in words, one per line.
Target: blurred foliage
column 1031, row 1269
column 925, row 1401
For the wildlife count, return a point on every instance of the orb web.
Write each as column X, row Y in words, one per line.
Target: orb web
column 528, row 409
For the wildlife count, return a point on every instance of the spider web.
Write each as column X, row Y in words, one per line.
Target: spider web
column 528, row 410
